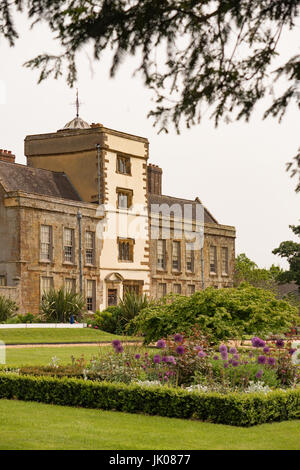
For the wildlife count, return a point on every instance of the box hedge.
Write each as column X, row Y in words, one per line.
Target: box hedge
column 232, row 409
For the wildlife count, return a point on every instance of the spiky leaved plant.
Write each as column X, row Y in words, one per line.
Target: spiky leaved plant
column 8, row 308
column 131, row 305
column 58, row 306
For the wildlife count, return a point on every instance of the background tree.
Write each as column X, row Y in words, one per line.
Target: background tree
column 248, row 271
column 194, row 53
column 291, row 251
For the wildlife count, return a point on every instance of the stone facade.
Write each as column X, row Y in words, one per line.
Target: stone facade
column 105, row 175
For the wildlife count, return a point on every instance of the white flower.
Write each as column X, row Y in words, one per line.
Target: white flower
column 197, row 388
column 257, row 387
column 147, row 383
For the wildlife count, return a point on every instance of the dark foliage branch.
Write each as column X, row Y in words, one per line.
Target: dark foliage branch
column 195, row 55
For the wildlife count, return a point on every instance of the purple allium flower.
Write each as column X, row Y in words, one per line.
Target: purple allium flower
column 261, row 359
column 235, row 363
column 236, row 357
column 178, row 338
column 259, row 374
column 223, row 348
column 225, row 364
column 266, row 349
column 198, row 348
column 116, row 343
column 137, row 356
column 201, row 354
column 166, row 378
column 165, row 359
column 232, row 351
column 180, row 350
column 250, row 354
column 119, row 349
column 171, row 359
column 291, row 351
column 230, row 361
column 224, row 355
column 215, row 358
column 257, row 342
column 271, row 361
column 161, row 344
column 279, row 343
column 156, row 359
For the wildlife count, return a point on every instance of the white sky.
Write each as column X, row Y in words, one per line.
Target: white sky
column 237, row 170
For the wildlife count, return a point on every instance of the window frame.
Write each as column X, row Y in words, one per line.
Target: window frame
column 49, row 244
column 164, row 255
column 226, row 271
column 192, row 251
column 42, row 278
column 215, row 264
column 178, row 244
column 93, row 298
column 127, row 165
column 93, row 249
column 72, row 246
column 129, row 195
column 131, row 243
column 164, row 289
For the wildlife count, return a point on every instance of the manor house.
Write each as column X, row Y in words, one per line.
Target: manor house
column 87, row 212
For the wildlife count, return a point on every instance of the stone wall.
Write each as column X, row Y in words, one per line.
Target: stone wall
column 34, row 211
column 12, row 293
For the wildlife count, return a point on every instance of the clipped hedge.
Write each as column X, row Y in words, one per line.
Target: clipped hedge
column 233, row 409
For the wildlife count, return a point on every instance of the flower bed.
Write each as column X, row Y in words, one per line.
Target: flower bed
column 186, row 377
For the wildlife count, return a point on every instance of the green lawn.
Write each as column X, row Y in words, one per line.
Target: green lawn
column 57, row 335
column 27, row 425
column 42, row 356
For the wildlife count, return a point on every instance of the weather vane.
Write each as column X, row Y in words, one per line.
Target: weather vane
column 77, row 103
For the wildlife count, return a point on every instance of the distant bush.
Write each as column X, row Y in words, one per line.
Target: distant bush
column 110, row 320
column 8, row 309
column 221, row 313
column 59, row 306
column 116, row 318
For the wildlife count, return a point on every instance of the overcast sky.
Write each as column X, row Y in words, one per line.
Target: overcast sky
column 237, row 170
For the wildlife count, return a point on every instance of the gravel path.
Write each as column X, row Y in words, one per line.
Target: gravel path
column 64, row 345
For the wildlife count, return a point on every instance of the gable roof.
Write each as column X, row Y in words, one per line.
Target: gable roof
column 16, row 177
column 170, row 200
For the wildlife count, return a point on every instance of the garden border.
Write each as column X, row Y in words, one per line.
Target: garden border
column 233, row 409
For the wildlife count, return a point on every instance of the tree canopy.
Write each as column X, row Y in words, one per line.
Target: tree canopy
column 291, row 251
column 247, row 270
column 195, row 55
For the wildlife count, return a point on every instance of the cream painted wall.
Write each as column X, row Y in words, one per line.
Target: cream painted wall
column 131, row 223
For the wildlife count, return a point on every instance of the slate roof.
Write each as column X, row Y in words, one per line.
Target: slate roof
column 16, row 177
column 170, row 200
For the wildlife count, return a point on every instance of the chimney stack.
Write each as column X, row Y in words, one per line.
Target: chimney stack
column 7, row 156
column 154, row 179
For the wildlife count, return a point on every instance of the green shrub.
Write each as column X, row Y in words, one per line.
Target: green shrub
column 221, row 313
column 109, row 320
column 59, row 306
column 232, row 409
column 8, row 309
column 115, row 319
